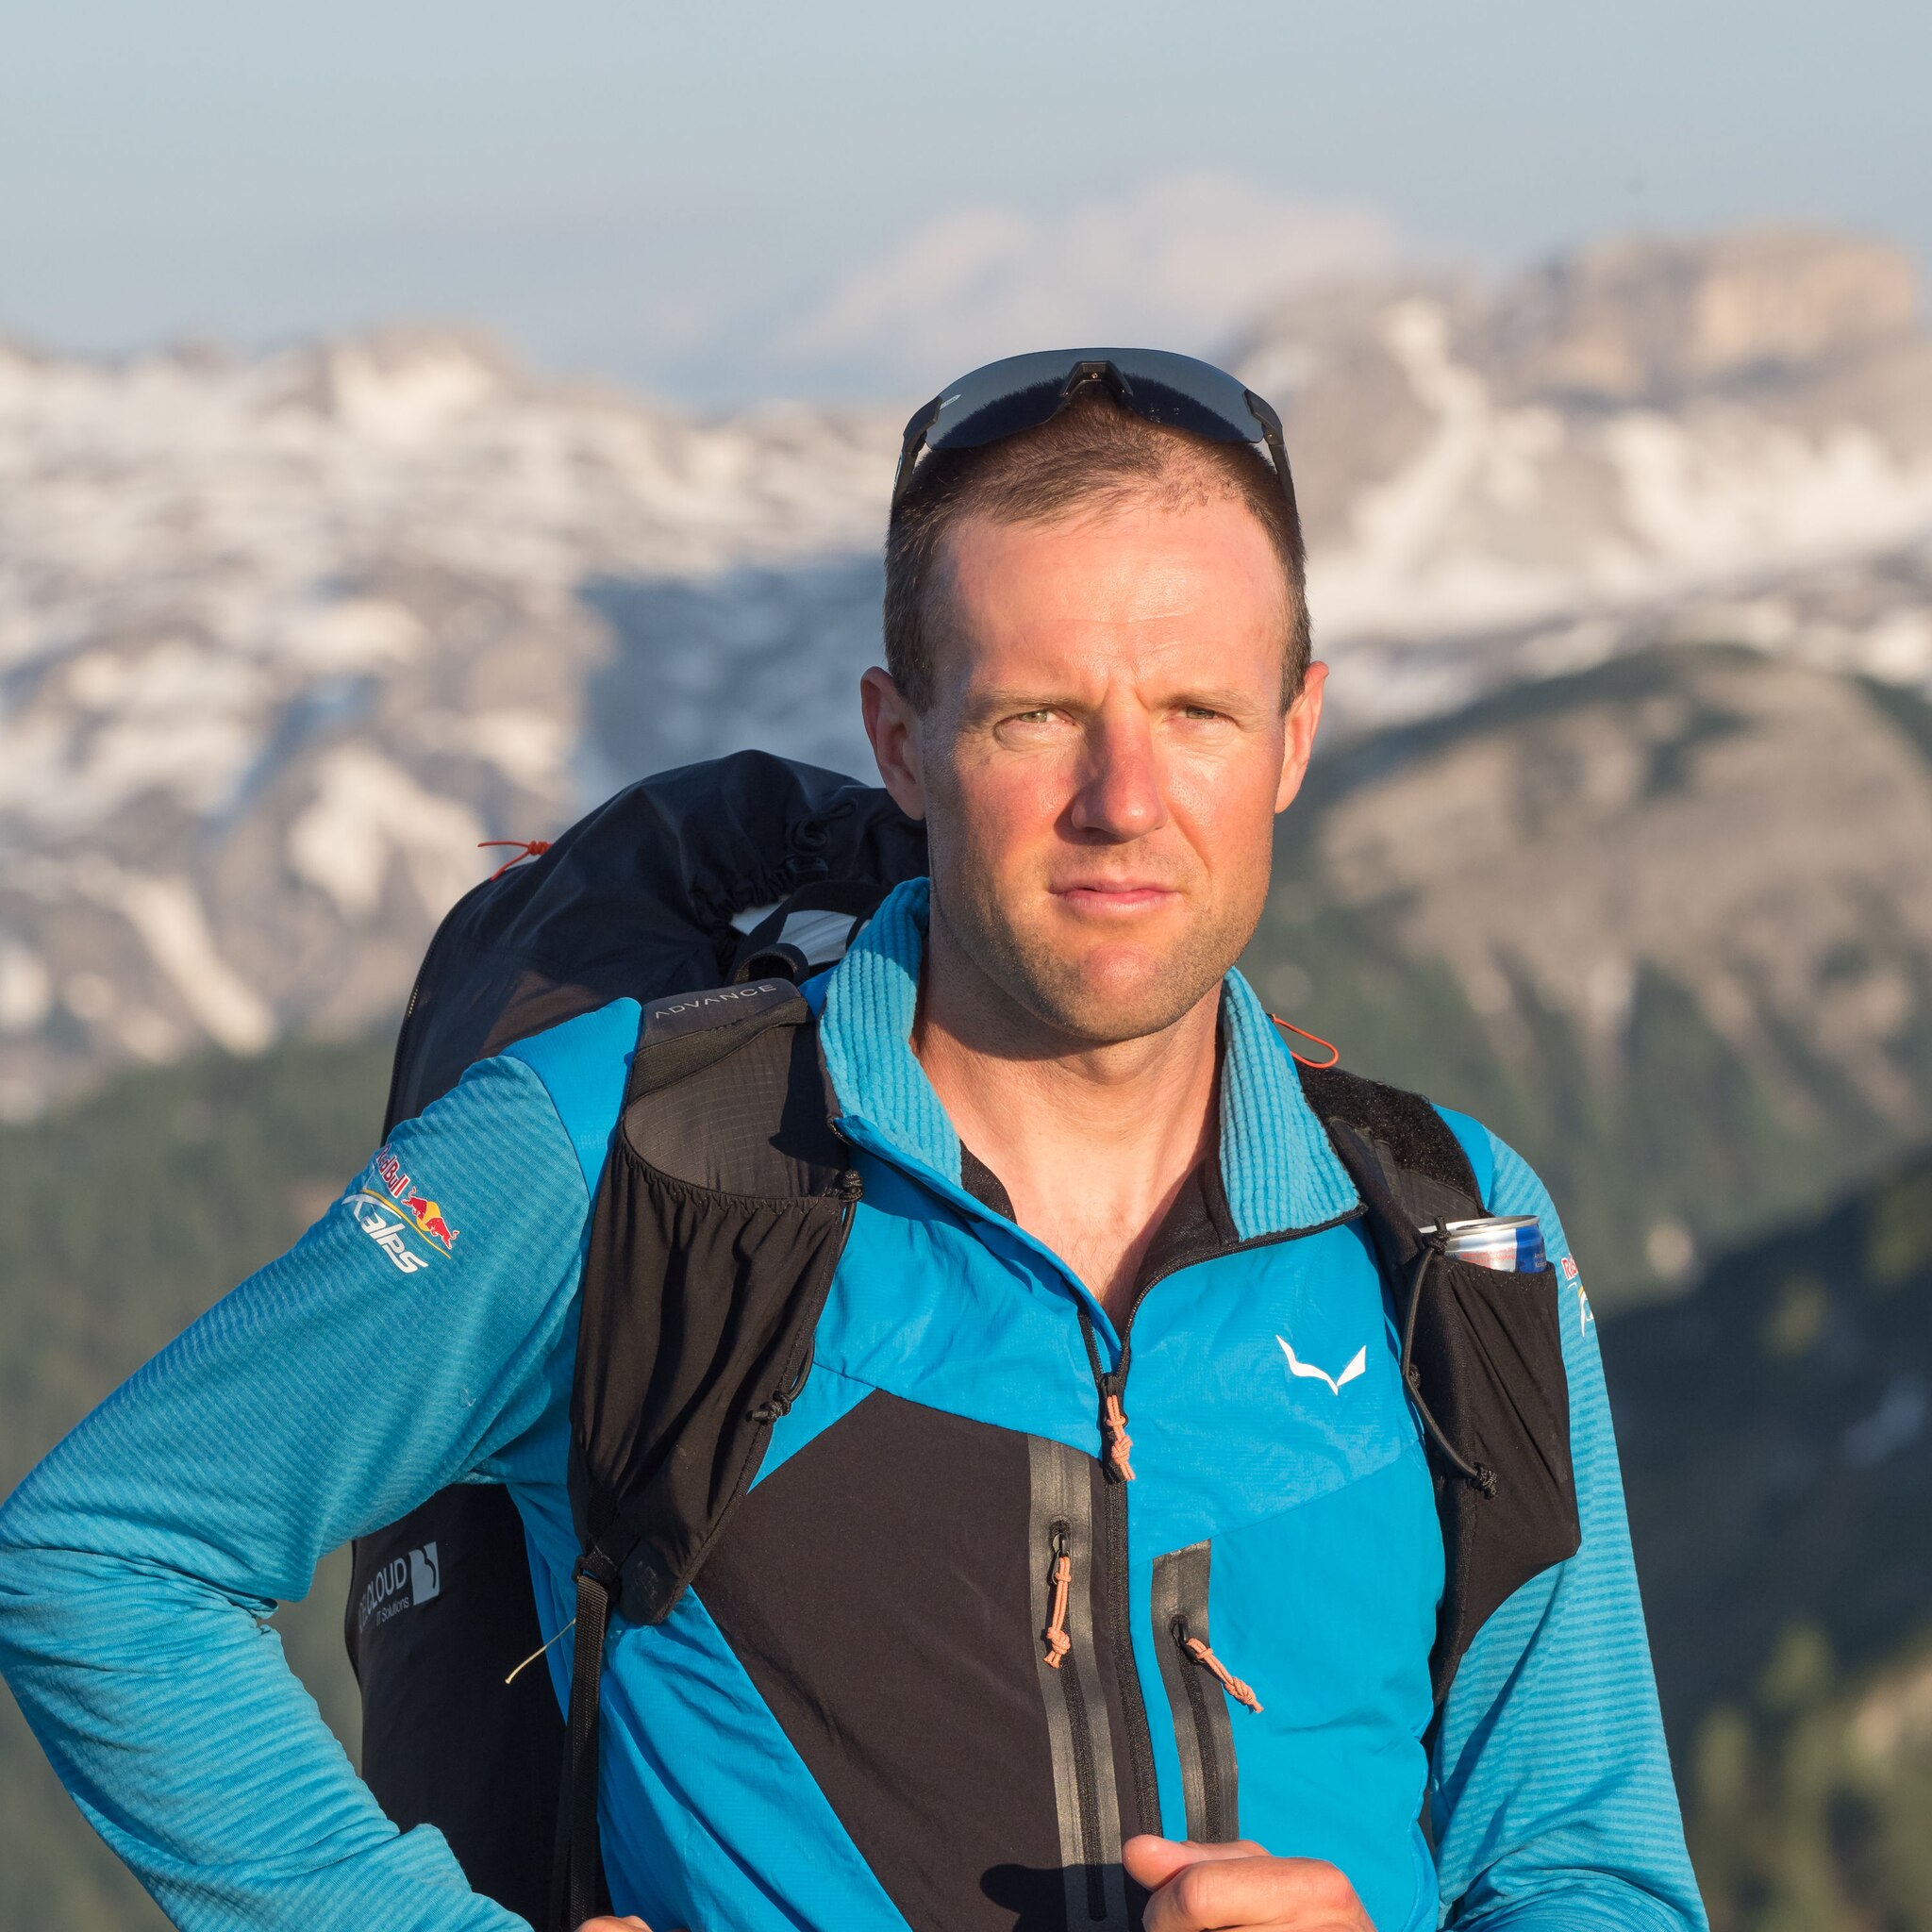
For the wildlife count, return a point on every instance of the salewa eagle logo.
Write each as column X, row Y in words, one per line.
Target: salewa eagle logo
column 1358, row 1362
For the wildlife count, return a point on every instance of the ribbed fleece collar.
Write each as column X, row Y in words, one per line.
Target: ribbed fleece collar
column 1277, row 1168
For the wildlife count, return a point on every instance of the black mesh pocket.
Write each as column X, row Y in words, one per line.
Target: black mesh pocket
column 1487, row 1360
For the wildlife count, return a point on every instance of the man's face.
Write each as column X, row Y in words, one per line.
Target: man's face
column 1104, row 756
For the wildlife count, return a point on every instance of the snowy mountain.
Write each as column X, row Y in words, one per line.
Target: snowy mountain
column 281, row 639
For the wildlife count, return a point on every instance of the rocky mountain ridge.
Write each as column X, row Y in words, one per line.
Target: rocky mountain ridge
column 1666, row 924
column 281, row 639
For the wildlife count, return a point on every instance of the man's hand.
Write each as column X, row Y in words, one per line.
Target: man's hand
column 1235, row 1888
column 1239, row 1887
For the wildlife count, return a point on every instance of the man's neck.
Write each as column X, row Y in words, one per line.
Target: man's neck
column 1092, row 1143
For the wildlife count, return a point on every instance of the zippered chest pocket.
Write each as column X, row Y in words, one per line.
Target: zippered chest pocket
column 1199, row 1690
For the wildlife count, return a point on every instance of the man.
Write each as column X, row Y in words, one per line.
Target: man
column 967, row 1653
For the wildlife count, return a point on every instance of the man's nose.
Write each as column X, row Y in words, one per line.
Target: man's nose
column 1120, row 794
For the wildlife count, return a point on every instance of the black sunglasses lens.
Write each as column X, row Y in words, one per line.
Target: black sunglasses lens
column 1022, row 391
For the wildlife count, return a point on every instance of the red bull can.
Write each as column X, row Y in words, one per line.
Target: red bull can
column 1512, row 1244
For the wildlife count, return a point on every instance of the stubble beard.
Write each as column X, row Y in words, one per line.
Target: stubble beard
column 1046, row 991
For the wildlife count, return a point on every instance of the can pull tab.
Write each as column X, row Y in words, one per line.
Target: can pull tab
column 1054, row 1636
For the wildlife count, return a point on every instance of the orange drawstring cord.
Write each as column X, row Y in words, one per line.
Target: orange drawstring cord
column 1113, row 1427
column 1228, row 1681
column 1334, row 1051
column 1058, row 1642
column 526, row 848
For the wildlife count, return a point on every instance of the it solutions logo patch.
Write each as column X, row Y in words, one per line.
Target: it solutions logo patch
column 403, row 1583
column 405, row 1209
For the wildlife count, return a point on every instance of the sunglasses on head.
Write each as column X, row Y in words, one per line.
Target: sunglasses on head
column 1022, row 391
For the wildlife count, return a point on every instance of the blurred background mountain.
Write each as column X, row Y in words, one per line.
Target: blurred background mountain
column 1623, row 840
column 1624, row 835
column 1620, row 837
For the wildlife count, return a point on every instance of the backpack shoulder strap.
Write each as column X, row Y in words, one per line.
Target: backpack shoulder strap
column 723, row 1209
column 1482, row 1357
column 722, row 1213
column 1400, row 1131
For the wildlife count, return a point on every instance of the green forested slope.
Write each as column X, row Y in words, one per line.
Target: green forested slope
column 1776, row 1433
column 120, row 1221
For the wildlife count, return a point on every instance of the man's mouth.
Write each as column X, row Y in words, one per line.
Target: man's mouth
column 1105, row 898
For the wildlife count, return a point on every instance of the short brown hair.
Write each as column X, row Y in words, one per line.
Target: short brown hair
column 1093, row 454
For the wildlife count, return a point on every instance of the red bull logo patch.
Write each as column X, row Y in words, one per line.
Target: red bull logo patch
column 410, row 1210
column 427, row 1216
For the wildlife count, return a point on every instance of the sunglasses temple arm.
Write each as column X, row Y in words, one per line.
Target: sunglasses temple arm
column 922, row 421
column 1278, row 450
column 1264, row 413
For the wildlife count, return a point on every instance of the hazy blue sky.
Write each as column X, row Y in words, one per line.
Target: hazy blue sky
column 724, row 199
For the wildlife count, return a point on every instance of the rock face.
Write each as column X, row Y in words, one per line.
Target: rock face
column 282, row 639
column 1665, row 924
column 1647, row 322
column 1759, row 834
column 1646, row 441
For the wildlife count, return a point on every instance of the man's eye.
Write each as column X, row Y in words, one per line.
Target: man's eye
column 1039, row 717
column 1200, row 711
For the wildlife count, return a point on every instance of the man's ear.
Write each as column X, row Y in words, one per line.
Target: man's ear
column 892, row 726
column 1298, row 735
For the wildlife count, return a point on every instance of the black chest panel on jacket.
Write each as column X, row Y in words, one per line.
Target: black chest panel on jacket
column 880, row 1590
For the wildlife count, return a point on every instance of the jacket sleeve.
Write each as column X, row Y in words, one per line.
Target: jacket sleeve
column 327, row 1396
column 1551, row 1789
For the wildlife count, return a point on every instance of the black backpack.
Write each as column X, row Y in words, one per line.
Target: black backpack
column 682, row 1371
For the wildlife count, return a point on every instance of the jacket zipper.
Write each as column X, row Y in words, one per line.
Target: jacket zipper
column 1085, row 1780
column 1195, row 1680
column 1054, row 1636
column 1214, row 1808
column 1110, row 1552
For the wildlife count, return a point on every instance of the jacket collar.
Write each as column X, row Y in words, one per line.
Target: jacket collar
column 1278, row 1171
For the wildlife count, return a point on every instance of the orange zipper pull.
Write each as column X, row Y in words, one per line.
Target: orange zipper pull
column 1113, row 1429
column 1228, row 1681
column 1058, row 1642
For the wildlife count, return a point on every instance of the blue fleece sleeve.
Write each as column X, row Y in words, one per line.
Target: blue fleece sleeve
column 412, row 1337
column 1552, row 1796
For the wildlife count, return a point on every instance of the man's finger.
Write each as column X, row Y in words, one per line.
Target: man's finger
column 1152, row 1861
column 629, row 1924
column 1239, row 1889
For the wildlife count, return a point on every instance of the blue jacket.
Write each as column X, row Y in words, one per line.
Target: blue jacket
column 377, row 1362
